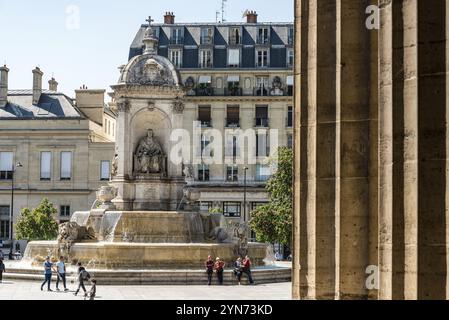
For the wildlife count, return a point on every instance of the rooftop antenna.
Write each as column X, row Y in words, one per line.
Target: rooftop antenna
column 223, row 8
column 217, row 16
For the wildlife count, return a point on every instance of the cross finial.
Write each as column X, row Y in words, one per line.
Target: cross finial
column 149, row 20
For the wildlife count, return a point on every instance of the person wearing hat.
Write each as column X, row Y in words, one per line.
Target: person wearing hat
column 48, row 270
column 219, row 269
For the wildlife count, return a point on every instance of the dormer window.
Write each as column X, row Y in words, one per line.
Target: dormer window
column 235, row 36
column 206, row 58
column 291, row 35
column 262, row 58
column 176, row 36
column 233, row 58
column 207, row 36
column 263, row 36
column 290, row 58
column 176, row 57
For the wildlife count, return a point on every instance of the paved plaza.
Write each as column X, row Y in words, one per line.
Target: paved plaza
column 25, row 290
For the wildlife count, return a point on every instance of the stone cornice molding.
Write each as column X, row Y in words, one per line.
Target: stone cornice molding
column 148, row 91
column 270, row 99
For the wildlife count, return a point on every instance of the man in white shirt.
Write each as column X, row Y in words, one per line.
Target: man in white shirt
column 61, row 274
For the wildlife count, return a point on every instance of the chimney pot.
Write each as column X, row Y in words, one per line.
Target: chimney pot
column 169, row 18
column 3, row 86
column 37, row 85
column 53, row 85
column 251, row 17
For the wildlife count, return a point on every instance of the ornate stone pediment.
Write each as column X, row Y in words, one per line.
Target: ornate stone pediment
column 150, row 70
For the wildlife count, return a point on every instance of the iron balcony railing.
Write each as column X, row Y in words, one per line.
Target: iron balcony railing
column 233, row 92
column 202, row 92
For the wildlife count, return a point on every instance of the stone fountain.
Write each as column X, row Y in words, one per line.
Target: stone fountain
column 146, row 219
column 145, row 239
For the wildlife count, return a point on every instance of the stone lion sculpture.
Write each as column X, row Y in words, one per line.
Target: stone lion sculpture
column 71, row 232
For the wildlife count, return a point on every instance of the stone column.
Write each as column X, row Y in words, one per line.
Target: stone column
column 353, row 147
column 432, row 150
column 125, row 158
column 332, row 165
column 296, row 267
column 412, row 197
column 122, row 140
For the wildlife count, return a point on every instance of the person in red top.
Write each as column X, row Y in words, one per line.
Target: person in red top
column 219, row 269
column 209, row 264
column 247, row 269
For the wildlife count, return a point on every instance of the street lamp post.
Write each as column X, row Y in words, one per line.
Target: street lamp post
column 11, row 212
column 244, row 194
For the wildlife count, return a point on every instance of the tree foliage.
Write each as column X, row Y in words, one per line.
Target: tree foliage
column 37, row 224
column 273, row 222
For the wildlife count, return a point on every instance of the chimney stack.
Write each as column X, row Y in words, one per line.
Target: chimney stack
column 37, row 85
column 169, row 18
column 3, row 86
column 53, row 85
column 251, row 17
column 91, row 103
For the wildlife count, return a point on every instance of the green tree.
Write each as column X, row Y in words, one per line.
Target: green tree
column 37, row 224
column 273, row 222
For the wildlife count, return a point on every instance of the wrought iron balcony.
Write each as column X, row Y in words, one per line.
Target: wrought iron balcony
column 205, row 92
column 234, row 92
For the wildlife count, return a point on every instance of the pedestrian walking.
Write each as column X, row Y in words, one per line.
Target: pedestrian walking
column 92, row 292
column 209, row 264
column 247, row 269
column 48, row 270
column 2, row 269
column 238, row 270
column 61, row 271
column 219, row 269
column 83, row 276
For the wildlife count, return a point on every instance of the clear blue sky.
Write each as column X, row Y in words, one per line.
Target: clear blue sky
column 47, row 33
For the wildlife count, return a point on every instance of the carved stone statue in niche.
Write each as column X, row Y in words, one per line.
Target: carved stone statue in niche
column 277, row 87
column 114, row 169
column 149, row 156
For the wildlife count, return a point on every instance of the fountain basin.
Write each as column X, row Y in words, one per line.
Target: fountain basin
column 143, row 226
column 126, row 256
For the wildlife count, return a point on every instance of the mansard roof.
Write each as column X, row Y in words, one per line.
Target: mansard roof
column 52, row 105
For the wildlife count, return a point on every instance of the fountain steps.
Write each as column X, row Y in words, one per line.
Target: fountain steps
column 157, row 277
